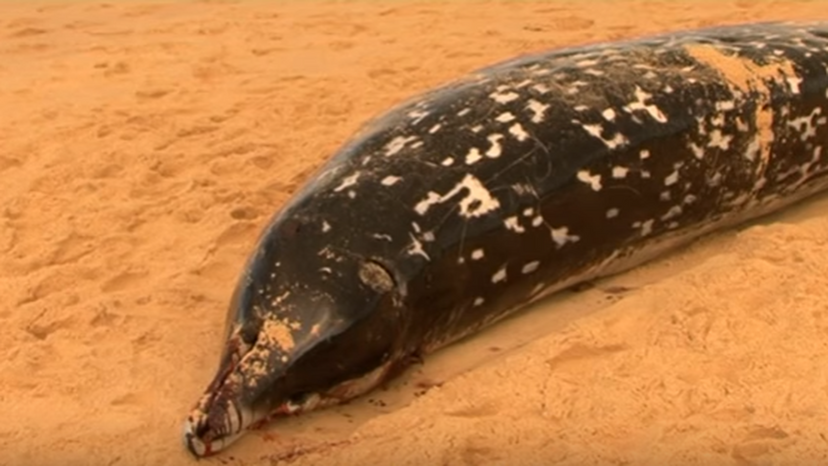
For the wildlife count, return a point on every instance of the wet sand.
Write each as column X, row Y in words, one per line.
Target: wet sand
column 143, row 146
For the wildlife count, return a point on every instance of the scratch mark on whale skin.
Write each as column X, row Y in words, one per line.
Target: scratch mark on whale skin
column 517, row 181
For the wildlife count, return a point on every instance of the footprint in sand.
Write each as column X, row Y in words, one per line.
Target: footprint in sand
column 124, row 281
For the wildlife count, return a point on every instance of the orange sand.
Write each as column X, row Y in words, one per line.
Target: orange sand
column 144, row 146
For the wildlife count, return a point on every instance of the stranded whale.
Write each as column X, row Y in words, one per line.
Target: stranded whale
column 461, row 205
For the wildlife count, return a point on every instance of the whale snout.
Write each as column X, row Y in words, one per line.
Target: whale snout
column 209, row 428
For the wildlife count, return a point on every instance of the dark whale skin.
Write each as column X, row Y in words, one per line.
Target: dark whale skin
column 460, row 206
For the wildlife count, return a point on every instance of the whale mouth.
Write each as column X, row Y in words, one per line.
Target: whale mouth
column 221, row 417
column 227, row 409
column 212, row 427
column 203, row 436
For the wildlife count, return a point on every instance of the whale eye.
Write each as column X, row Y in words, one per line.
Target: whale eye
column 376, row 276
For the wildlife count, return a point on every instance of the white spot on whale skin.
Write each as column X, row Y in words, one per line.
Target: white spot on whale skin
column 674, row 211
column 504, row 97
column 665, row 196
column 752, row 150
column 397, row 144
column 512, row 224
column 518, row 132
column 417, row 115
column 416, row 248
column 500, row 275
column 538, row 288
column 527, row 212
column 524, row 188
column 505, row 117
column 538, row 110
column 698, row 152
column 463, row 112
column 804, row 126
column 495, row 150
column 477, row 194
column 646, row 227
column 447, row 162
column 473, row 156
column 620, row 172
column 382, row 236
column 434, row 128
column 586, row 63
column 390, row 180
column 644, row 154
column 537, row 221
column 612, row 213
column 326, row 253
column 561, row 236
column 478, row 301
column 347, row 182
column 793, row 83
column 594, row 181
column 477, row 254
column 597, row 130
column 717, row 139
column 326, row 227
column 608, row 114
column 672, row 178
column 541, row 88
column 641, row 104
column 352, row 194
column 725, row 105
column 530, row 267
column 477, row 128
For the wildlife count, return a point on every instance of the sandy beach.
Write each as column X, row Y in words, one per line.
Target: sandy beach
column 144, row 145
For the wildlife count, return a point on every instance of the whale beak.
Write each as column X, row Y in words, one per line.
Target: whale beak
column 219, row 419
column 208, row 432
column 242, row 394
column 222, row 414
